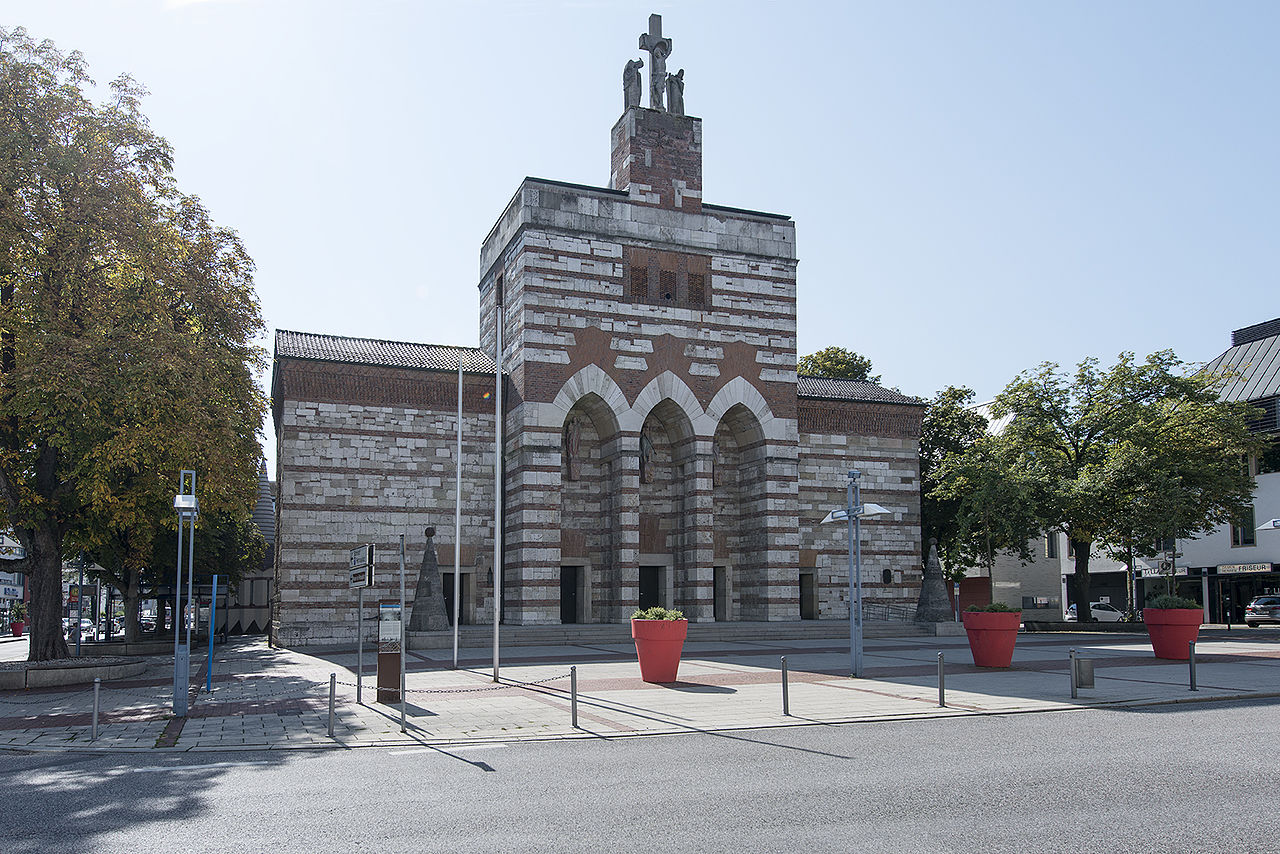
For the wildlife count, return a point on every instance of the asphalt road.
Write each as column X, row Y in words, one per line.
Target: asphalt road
column 1192, row 777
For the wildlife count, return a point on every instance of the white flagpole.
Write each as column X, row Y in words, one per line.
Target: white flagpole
column 457, row 521
column 497, row 475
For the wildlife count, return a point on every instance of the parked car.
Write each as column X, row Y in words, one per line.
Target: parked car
column 1263, row 609
column 1103, row 612
column 87, row 628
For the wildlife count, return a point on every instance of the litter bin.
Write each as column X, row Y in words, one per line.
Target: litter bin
column 1084, row 672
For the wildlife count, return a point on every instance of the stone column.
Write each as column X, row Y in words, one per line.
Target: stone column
column 698, row 547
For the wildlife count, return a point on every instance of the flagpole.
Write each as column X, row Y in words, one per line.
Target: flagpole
column 457, row 520
column 497, row 474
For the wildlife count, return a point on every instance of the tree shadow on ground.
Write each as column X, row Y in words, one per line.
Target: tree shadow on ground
column 67, row 801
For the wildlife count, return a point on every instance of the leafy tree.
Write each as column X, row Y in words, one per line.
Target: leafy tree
column 126, row 327
column 950, row 427
column 1111, row 457
column 987, row 499
column 837, row 362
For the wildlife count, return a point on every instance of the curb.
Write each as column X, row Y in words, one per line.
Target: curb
column 442, row 743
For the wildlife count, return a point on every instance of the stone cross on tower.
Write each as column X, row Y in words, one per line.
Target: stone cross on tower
column 659, row 49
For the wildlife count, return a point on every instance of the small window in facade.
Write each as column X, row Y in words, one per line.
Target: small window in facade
column 1242, row 533
column 667, row 285
column 1051, row 546
column 639, row 282
column 697, row 289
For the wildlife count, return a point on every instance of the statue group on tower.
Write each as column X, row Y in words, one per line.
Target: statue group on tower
column 666, row 91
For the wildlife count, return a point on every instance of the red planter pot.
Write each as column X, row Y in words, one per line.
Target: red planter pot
column 658, row 646
column 1171, row 629
column 17, row 627
column 992, row 635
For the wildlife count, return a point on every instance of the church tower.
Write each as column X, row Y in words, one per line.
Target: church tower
column 650, row 342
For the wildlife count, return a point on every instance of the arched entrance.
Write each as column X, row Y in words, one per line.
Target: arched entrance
column 739, row 507
column 589, row 472
column 667, row 468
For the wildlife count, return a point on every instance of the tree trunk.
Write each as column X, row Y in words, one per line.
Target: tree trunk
column 131, row 594
column 45, row 577
column 1080, row 581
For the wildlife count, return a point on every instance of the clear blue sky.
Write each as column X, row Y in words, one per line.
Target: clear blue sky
column 977, row 186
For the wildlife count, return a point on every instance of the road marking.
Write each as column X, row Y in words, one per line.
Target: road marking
column 444, row 748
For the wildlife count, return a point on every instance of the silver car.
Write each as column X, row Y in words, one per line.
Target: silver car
column 1263, row 609
column 1103, row 612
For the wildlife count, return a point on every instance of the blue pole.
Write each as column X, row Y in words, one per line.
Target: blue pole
column 213, row 620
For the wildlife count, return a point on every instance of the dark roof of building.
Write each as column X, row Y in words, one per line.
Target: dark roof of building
column 1255, row 361
column 371, row 351
column 830, row 388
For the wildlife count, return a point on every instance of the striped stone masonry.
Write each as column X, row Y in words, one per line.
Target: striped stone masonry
column 656, row 448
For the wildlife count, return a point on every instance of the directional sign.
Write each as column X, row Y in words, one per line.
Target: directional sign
column 1269, row 524
column 361, row 566
column 867, row 509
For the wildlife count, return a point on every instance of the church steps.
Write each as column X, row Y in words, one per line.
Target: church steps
column 620, row 633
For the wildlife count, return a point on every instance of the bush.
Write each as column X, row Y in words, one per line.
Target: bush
column 18, row 613
column 657, row 613
column 998, row 607
column 1168, row 601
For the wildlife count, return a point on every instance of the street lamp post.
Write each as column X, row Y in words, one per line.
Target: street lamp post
column 852, row 515
column 188, row 508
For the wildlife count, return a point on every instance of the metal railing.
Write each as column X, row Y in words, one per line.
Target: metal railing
column 888, row 613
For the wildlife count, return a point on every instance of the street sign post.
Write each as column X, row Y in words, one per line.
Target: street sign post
column 361, row 576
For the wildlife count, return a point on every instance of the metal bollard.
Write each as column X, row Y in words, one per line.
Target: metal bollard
column 573, row 694
column 333, row 692
column 786, row 698
column 1074, row 687
column 97, row 689
column 942, row 682
column 1191, row 661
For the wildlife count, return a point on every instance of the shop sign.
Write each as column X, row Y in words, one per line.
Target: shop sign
column 1161, row 571
column 9, row 591
column 1233, row 568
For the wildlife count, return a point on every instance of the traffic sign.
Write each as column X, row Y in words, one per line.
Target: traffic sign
column 361, row 566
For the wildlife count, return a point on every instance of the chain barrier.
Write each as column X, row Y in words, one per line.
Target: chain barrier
column 474, row 690
column 291, row 692
column 57, row 697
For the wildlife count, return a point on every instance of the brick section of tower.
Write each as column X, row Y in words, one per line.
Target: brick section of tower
column 657, row 159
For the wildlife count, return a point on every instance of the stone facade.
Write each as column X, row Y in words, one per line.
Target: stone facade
column 658, row 448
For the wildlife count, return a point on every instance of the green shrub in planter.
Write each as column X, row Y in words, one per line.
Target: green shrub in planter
column 997, row 607
column 657, row 613
column 1167, row 601
column 18, row 613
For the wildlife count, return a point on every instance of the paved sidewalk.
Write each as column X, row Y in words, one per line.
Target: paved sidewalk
column 276, row 699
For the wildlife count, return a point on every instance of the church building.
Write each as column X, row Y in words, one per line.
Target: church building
column 659, row 447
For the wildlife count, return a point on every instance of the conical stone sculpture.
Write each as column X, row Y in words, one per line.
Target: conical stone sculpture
column 934, row 605
column 428, row 614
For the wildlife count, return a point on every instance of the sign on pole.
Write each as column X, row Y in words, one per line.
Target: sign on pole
column 361, row 566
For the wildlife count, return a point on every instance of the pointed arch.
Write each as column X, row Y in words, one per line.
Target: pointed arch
column 592, row 380
column 739, row 391
column 666, row 386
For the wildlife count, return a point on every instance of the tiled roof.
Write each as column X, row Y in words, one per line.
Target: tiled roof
column 1256, row 364
column 371, row 351
column 829, row 388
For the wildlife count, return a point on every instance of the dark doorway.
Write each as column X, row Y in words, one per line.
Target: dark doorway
column 650, row 587
column 447, row 577
column 722, row 594
column 808, row 597
column 569, row 594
